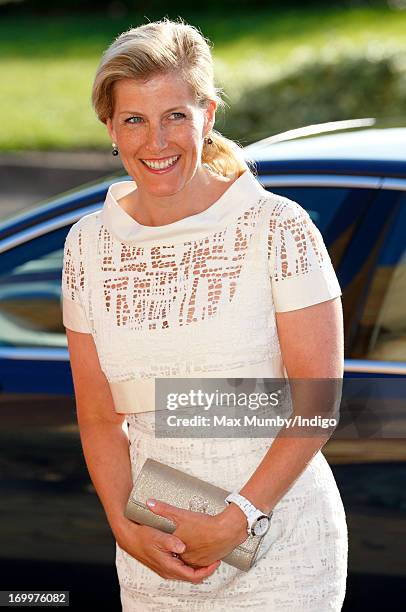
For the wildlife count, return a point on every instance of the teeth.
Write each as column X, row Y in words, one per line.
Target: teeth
column 161, row 165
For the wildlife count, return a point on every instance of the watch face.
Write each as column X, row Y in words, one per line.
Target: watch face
column 261, row 526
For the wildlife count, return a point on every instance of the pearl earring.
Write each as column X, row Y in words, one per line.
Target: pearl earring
column 115, row 150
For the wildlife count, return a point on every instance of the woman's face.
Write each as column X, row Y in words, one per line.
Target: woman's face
column 159, row 131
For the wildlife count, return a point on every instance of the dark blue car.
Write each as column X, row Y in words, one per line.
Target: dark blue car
column 351, row 178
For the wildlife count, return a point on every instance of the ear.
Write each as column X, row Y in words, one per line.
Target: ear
column 210, row 116
column 111, row 130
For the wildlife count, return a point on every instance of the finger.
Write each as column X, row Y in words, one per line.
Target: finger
column 191, row 574
column 185, row 557
column 173, row 513
column 204, row 572
column 185, row 560
column 171, row 543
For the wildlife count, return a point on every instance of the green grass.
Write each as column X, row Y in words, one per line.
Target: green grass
column 47, row 64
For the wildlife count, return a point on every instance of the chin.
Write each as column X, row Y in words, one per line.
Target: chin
column 163, row 190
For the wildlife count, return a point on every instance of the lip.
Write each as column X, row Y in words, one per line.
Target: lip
column 158, row 159
column 164, row 170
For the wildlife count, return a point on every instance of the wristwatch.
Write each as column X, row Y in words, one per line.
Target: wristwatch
column 258, row 523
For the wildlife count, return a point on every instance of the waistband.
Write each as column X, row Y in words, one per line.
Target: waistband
column 137, row 395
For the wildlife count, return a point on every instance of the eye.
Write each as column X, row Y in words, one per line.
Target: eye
column 178, row 115
column 130, row 120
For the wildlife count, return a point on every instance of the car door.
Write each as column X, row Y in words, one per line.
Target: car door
column 375, row 282
column 52, row 521
column 363, row 222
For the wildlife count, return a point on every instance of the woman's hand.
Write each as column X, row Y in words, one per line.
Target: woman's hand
column 156, row 549
column 207, row 538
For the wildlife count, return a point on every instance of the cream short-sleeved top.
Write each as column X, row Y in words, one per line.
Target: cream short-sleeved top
column 193, row 298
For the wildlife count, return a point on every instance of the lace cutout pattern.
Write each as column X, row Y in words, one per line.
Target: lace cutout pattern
column 162, row 286
column 295, row 245
column 73, row 272
column 209, row 302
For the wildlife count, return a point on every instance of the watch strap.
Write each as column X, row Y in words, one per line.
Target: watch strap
column 251, row 512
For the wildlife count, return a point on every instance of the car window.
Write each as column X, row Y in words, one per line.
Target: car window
column 381, row 334
column 322, row 203
column 30, row 294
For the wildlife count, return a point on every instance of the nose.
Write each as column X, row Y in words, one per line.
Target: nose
column 156, row 139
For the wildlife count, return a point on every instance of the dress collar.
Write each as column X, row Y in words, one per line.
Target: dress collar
column 240, row 196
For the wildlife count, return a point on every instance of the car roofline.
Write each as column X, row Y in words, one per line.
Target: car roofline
column 312, row 130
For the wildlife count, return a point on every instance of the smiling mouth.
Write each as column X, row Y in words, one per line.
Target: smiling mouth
column 161, row 164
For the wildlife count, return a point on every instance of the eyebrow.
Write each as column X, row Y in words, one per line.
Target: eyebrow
column 133, row 112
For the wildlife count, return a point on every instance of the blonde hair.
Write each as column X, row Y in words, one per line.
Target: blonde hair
column 162, row 47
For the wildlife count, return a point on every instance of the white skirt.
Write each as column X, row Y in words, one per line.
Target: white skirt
column 302, row 563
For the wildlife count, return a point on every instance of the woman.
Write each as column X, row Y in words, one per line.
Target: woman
column 192, row 269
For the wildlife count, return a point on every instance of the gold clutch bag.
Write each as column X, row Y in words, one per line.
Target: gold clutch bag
column 174, row 487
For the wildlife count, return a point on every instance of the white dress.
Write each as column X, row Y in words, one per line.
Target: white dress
column 197, row 298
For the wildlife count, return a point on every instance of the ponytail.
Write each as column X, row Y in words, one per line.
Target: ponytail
column 225, row 156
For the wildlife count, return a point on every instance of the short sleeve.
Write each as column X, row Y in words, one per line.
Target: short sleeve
column 73, row 283
column 300, row 266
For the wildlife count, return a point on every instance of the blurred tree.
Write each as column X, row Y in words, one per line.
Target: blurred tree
column 119, row 8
